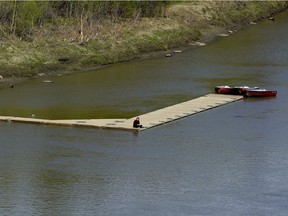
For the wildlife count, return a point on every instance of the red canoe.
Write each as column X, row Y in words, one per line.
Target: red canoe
column 259, row 93
column 225, row 90
column 237, row 90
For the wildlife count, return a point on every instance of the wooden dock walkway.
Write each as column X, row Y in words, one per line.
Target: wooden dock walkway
column 148, row 120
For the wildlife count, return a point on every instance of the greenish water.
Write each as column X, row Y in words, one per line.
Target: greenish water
column 231, row 160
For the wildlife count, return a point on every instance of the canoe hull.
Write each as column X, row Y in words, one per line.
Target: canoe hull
column 227, row 90
column 245, row 91
column 255, row 93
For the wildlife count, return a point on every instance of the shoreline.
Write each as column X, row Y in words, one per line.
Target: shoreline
column 206, row 38
column 209, row 32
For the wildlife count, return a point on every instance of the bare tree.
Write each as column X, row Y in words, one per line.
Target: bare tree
column 13, row 23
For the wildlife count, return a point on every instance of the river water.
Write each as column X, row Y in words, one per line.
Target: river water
column 231, row 160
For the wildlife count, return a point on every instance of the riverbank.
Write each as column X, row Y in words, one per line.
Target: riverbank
column 59, row 50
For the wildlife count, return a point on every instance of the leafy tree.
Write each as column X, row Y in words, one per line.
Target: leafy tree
column 29, row 13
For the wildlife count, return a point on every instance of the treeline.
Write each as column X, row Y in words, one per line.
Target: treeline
column 20, row 18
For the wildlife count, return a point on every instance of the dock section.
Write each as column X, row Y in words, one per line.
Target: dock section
column 148, row 120
column 181, row 110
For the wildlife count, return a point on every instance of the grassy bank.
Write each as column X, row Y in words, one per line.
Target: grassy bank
column 59, row 49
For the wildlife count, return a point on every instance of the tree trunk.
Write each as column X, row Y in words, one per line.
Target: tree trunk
column 82, row 27
column 13, row 23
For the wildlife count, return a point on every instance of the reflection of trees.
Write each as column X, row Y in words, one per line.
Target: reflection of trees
column 8, row 189
column 27, row 185
column 53, row 190
column 67, row 179
column 56, row 171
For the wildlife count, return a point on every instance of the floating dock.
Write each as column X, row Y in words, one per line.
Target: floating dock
column 148, row 120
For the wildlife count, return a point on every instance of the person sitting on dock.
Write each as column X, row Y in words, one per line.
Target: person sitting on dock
column 136, row 123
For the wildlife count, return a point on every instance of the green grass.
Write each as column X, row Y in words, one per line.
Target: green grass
column 232, row 14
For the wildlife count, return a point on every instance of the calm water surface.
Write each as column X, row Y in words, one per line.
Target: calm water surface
column 228, row 161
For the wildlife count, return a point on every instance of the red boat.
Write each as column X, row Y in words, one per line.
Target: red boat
column 225, row 90
column 259, row 93
column 242, row 89
column 237, row 90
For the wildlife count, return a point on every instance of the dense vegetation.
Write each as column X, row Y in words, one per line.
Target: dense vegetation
column 50, row 37
column 22, row 17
